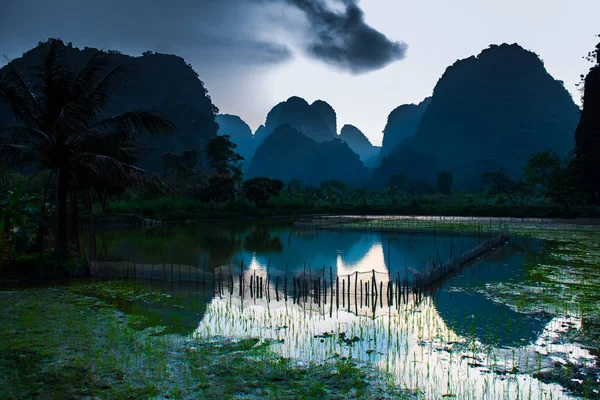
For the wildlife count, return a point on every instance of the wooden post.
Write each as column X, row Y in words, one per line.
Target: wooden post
column 343, row 293
column 361, row 293
column 337, row 292
column 285, row 282
column 349, row 292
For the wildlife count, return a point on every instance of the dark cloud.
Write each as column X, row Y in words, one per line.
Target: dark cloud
column 343, row 39
column 223, row 32
column 220, row 31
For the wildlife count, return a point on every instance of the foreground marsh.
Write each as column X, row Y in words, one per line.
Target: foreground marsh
column 89, row 349
column 521, row 322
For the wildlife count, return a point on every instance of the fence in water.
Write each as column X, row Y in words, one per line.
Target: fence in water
column 354, row 291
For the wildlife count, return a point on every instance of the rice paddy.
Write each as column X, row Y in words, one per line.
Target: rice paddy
column 330, row 311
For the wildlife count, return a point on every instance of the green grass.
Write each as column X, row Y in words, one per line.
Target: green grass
column 57, row 343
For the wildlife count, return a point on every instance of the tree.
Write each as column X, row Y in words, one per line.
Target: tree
column 222, row 157
column 419, row 187
column 226, row 168
column 221, row 188
column 259, row 190
column 549, row 174
column 60, row 130
column 362, row 194
column 310, row 194
column 180, row 168
column 499, row 182
column 294, row 186
column 334, row 189
column 444, row 182
column 396, row 184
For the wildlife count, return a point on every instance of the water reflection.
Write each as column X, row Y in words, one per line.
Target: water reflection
column 314, row 293
column 279, row 245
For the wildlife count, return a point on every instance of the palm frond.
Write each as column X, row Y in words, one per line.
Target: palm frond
column 14, row 155
column 129, row 175
column 20, row 98
column 121, row 145
column 88, row 75
column 24, row 132
column 99, row 96
column 55, row 80
column 71, row 121
column 137, row 121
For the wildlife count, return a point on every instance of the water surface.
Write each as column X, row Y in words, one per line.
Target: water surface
column 453, row 339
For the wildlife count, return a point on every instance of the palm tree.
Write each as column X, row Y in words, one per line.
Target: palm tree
column 60, row 128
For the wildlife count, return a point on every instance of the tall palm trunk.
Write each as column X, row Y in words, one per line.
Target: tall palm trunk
column 42, row 227
column 74, row 229
column 62, row 232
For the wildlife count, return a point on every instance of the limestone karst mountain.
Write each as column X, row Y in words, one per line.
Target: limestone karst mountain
column 487, row 111
column 288, row 154
column 402, row 123
column 240, row 134
column 316, row 121
column 359, row 143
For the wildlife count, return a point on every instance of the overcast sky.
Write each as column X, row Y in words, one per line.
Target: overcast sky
column 363, row 57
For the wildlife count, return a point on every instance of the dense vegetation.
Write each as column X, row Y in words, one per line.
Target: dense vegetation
column 60, row 129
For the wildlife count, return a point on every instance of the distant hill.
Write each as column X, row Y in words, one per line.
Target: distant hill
column 316, row 121
column 158, row 82
column 402, row 123
column 327, row 113
column 489, row 111
column 240, row 133
column 288, row 154
column 359, row 143
column 260, row 134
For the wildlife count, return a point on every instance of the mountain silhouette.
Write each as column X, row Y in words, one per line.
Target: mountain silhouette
column 240, row 134
column 288, row 154
column 587, row 135
column 327, row 113
column 489, row 111
column 402, row 123
column 157, row 82
column 316, row 121
column 359, row 143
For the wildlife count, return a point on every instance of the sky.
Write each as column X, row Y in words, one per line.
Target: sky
column 364, row 57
